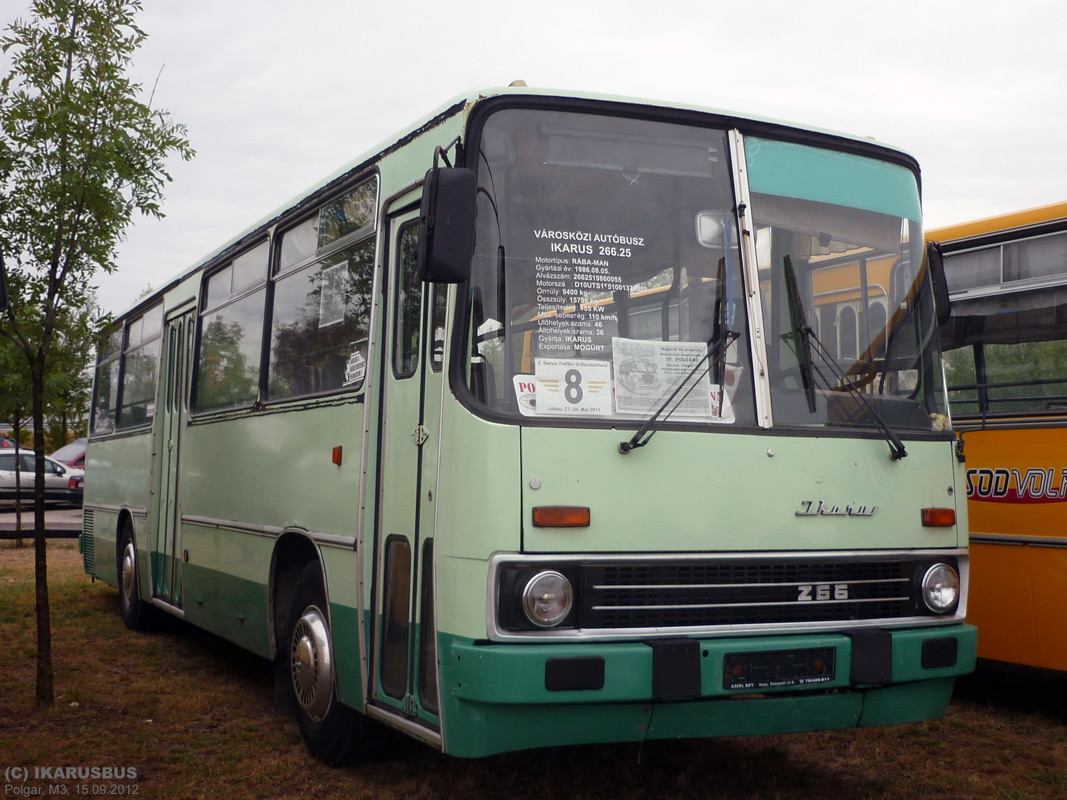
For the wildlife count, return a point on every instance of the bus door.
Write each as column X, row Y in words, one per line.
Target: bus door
column 173, row 413
column 404, row 642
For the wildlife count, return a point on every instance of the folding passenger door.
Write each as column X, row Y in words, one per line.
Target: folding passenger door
column 167, row 556
column 404, row 643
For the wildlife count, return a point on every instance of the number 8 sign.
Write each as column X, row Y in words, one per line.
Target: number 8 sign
column 573, row 387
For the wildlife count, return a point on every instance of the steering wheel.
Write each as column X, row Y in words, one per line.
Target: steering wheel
column 857, row 380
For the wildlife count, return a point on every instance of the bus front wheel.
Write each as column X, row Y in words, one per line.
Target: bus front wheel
column 333, row 732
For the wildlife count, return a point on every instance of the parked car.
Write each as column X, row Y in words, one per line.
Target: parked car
column 6, row 441
column 62, row 484
column 73, row 454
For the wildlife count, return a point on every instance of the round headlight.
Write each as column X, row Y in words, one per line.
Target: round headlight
column 941, row 588
column 547, row 599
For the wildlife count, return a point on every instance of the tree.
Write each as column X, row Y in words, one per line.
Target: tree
column 80, row 153
column 69, row 384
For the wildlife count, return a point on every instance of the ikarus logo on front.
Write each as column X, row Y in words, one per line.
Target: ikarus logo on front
column 820, row 508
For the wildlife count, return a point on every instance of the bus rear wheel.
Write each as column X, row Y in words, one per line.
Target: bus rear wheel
column 333, row 732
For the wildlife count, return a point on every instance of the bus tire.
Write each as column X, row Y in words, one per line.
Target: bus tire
column 136, row 614
column 333, row 732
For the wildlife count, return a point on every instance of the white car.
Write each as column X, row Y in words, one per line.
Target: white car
column 62, row 484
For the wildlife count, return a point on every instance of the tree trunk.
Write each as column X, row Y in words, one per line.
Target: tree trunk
column 17, row 430
column 45, row 695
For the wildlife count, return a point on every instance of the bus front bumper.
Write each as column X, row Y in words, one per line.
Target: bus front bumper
column 501, row 697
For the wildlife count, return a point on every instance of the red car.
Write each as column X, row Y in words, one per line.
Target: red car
column 73, row 454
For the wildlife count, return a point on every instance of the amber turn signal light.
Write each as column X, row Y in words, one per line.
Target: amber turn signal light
column 561, row 517
column 939, row 517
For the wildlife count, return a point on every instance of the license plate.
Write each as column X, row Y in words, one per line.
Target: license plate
column 774, row 669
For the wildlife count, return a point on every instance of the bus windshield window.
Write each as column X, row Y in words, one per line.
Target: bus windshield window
column 859, row 318
column 607, row 272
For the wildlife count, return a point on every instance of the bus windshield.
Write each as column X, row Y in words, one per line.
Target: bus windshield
column 848, row 311
column 607, row 283
column 592, row 294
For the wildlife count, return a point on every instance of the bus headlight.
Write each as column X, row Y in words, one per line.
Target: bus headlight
column 547, row 599
column 941, row 588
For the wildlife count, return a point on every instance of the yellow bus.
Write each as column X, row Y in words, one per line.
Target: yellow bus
column 1006, row 367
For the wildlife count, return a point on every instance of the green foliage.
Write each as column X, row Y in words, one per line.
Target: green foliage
column 226, row 377
column 1023, row 377
column 80, row 153
column 15, row 396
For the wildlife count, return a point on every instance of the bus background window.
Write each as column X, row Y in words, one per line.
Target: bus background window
column 141, row 360
column 231, row 334
column 408, row 304
column 106, row 385
column 320, row 325
column 322, row 296
column 439, row 311
column 354, row 212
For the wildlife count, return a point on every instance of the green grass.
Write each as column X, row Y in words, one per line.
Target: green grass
column 194, row 715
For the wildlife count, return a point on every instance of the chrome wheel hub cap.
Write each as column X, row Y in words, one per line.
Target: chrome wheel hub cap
column 129, row 574
column 311, row 663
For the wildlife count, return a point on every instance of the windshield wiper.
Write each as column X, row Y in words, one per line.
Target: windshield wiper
column 722, row 321
column 721, row 339
column 800, row 325
column 806, row 334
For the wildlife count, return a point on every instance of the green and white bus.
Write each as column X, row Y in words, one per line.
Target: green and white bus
column 554, row 419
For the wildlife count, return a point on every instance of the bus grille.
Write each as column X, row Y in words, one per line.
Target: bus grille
column 754, row 592
column 88, row 543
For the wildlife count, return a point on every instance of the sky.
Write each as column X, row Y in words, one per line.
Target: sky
column 278, row 94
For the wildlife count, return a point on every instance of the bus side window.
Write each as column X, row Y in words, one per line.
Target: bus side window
column 231, row 333
column 438, row 318
column 140, row 361
column 106, row 385
column 407, row 316
column 320, row 325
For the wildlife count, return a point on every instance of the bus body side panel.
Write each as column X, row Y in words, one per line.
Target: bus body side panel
column 1017, row 497
column 342, row 583
column 117, row 477
column 247, row 480
column 201, row 577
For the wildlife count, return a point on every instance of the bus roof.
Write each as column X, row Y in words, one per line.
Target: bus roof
column 462, row 103
column 1002, row 223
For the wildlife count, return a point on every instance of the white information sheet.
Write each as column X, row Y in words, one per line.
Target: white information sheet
column 647, row 372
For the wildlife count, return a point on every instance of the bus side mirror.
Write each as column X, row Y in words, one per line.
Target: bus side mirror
column 446, row 225
column 936, row 260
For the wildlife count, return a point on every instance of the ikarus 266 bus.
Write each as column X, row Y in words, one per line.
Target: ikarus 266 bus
column 554, row 419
